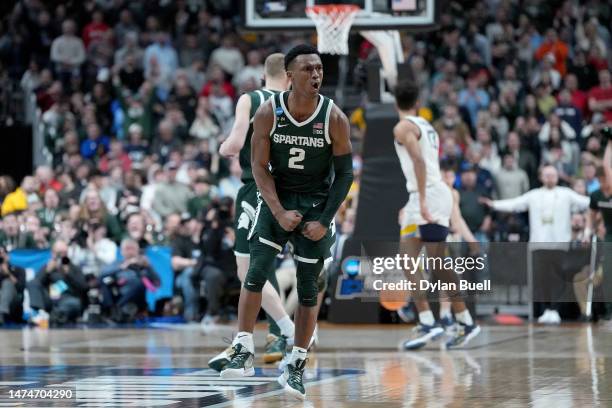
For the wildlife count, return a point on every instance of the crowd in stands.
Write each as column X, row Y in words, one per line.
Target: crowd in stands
column 136, row 97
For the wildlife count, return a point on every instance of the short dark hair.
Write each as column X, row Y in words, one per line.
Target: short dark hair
column 302, row 49
column 406, row 94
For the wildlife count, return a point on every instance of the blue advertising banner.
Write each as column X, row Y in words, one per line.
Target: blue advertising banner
column 32, row 260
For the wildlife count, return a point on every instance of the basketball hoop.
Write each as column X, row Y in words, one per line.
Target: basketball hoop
column 333, row 22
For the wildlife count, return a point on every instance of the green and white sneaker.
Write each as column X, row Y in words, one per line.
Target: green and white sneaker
column 240, row 364
column 283, row 363
column 291, row 379
column 219, row 361
column 276, row 348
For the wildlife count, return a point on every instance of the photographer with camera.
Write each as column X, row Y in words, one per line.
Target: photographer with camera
column 12, row 286
column 185, row 255
column 217, row 265
column 59, row 288
column 124, row 283
column 91, row 250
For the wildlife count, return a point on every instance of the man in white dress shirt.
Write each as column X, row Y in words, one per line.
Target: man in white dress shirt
column 550, row 212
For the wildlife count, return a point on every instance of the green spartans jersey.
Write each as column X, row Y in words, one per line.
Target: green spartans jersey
column 258, row 97
column 603, row 203
column 301, row 152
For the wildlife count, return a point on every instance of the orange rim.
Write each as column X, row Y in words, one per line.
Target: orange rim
column 333, row 8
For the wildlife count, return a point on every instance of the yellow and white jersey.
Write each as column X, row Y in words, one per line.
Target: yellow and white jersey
column 438, row 195
column 429, row 143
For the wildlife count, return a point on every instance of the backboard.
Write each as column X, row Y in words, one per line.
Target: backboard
column 375, row 14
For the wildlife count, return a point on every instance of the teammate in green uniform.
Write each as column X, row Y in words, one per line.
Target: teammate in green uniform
column 239, row 143
column 301, row 160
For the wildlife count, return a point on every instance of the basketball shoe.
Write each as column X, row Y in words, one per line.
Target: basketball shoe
column 240, row 363
column 292, row 379
column 276, row 348
column 421, row 335
column 463, row 335
column 219, row 361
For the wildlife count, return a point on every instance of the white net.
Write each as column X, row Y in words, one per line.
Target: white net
column 333, row 24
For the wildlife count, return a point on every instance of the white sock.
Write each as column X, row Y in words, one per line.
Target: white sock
column 427, row 318
column 246, row 339
column 465, row 317
column 286, row 326
column 297, row 353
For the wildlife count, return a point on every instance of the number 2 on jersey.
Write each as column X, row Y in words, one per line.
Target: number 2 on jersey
column 297, row 156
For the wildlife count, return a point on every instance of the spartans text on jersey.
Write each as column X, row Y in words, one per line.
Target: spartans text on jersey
column 298, row 140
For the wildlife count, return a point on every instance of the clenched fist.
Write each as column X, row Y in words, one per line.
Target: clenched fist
column 314, row 230
column 288, row 220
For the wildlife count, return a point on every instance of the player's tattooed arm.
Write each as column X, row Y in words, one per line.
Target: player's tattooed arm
column 339, row 133
column 407, row 134
column 235, row 141
column 260, row 160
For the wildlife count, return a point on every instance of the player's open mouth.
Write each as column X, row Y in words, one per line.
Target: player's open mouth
column 315, row 85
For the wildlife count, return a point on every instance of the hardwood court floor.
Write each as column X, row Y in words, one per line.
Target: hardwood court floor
column 355, row 366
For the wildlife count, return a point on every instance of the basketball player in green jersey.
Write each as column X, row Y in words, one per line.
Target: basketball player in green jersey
column 239, row 143
column 302, row 164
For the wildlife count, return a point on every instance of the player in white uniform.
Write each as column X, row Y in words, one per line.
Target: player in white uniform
column 430, row 206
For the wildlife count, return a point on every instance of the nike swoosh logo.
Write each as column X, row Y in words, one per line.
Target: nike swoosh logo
column 286, row 124
column 315, row 204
